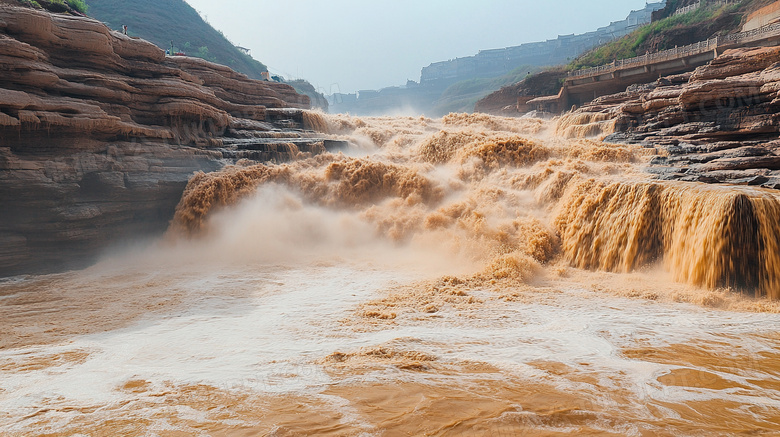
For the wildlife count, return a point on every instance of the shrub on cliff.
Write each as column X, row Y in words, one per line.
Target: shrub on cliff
column 78, row 5
column 31, row 3
column 174, row 21
column 57, row 5
column 677, row 30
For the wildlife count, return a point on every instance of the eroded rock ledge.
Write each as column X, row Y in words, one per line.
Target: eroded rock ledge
column 100, row 132
column 718, row 124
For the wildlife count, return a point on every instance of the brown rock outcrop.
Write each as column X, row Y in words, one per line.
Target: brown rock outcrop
column 512, row 100
column 99, row 133
column 718, row 124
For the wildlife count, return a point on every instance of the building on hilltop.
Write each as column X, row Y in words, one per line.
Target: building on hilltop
column 497, row 62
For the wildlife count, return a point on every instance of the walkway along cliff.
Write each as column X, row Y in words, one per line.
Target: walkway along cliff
column 692, row 42
column 585, row 85
column 99, row 133
column 717, row 124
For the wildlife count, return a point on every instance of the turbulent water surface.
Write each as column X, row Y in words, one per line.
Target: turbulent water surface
column 466, row 276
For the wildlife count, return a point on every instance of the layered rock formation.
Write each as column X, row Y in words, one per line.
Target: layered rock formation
column 720, row 123
column 100, row 132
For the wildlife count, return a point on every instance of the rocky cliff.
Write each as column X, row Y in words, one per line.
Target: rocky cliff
column 667, row 31
column 510, row 100
column 99, row 133
column 318, row 100
column 720, row 123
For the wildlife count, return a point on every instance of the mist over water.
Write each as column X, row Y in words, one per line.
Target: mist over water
column 472, row 275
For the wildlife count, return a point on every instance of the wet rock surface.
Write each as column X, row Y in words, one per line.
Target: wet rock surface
column 718, row 124
column 100, row 132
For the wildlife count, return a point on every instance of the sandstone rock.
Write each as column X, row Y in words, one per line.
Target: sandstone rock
column 737, row 62
column 730, row 92
column 719, row 124
column 100, row 132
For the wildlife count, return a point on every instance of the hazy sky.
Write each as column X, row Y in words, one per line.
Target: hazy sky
column 348, row 45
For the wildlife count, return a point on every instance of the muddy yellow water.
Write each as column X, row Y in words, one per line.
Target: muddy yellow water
column 469, row 276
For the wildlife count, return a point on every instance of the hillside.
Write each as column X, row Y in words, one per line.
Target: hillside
column 463, row 95
column 668, row 30
column 505, row 101
column 318, row 101
column 457, row 84
column 100, row 133
column 166, row 21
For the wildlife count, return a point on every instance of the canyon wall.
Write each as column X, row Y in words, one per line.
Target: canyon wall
column 495, row 62
column 99, row 133
column 720, row 123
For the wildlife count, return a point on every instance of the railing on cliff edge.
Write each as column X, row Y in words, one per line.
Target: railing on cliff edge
column 680, row 52
column 687, row 9
column 700, row 3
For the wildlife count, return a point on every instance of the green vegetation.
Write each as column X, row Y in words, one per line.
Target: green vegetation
column 666, row 33
column 78, row 5
column 174, row 22
column 57, row 5
column 656, row 36
column 302, row 86
column 199, row 52
column 196, row 52
column 31, row 3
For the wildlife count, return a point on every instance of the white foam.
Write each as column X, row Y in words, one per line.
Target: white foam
column 270, row 341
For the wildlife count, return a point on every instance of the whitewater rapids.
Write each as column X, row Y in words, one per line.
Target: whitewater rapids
column 473, row 275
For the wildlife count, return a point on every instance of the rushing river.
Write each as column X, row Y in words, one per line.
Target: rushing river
column 467, row 276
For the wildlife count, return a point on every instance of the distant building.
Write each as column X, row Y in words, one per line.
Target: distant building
column 497, row 62
column 245, row 50
column 266, row 76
